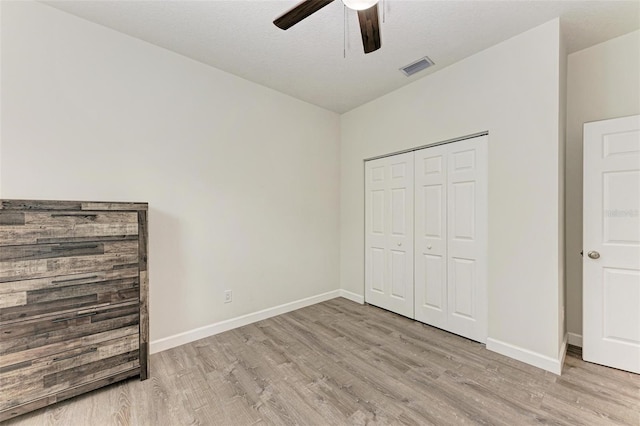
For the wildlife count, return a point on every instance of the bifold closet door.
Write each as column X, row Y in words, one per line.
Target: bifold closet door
column 389, row 233
column 451, row 237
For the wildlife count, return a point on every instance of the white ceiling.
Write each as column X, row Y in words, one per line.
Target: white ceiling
column 307, row 60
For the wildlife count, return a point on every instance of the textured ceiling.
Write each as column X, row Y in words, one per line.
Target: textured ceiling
column 308, row 60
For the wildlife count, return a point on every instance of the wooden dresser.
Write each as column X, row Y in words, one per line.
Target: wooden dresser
column 73, row 299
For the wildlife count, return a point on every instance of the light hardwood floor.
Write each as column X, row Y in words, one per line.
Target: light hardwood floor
column 340, row 363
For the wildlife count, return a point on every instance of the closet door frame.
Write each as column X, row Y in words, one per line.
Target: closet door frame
column 458, row 250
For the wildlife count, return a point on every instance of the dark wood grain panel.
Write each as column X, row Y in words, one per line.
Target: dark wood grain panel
column 370, row 29
column 114, row 206
column 299, row 12
column 61, row 361
column 73, row 299
column 76, row 218
column 102, row 238
column 47, row 227
column 63, row 395
column 78, row 373
column 144, row 326
column 66, row 394
column 67, row 369
column 26, row 311
column 55, row 299
column 6, row 204
column 14, row 293
column 49, row 251
column 30, row 269
column 143, row 233
column 49, row 331
column 9, row 360
column 39, row 205
column 56, row 293
column 42, row 234
column 11, row 218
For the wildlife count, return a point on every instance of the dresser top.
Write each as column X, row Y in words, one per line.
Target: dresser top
column 69, row 205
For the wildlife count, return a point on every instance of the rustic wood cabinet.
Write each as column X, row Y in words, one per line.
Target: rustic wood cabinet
column 73, row 299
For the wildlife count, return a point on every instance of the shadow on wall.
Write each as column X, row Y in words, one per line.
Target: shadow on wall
column 166, row 272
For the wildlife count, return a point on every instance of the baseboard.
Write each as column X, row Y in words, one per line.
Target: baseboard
column 352, row 296
column 575, row 339
column 529, row 357
column 563, row 351
column 226, row 325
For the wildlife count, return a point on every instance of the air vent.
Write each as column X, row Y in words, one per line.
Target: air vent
column 417, row 66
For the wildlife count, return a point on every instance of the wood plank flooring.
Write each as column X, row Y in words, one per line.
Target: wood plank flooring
column 340, row 363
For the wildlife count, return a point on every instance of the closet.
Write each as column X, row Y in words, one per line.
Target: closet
column 426, row 235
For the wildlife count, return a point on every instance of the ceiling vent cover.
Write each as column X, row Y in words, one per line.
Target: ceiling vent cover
column 417, row 66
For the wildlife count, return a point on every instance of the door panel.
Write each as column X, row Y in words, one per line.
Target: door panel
column 463, row 216
column 611, row 281
column 377, row 212
column 389, row 233
column 620, row 292
column 434, row 275
column 377, row 269
column 431, row 236
column 399, row 212
column 467, row 238
column 621, row 189
column 462, row 285
column 398, row 274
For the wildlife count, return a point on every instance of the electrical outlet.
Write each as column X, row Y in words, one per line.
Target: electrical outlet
column 228, row 296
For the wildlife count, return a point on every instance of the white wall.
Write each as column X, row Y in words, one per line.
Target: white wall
column 512, row 90
column 242, row 181
column 562, row 131
column 603, row 82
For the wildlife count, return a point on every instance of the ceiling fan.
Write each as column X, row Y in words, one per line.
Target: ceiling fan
column 367, row 15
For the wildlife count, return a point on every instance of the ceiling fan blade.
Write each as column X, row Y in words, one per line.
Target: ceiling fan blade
column 299, row 12
column 370, row 28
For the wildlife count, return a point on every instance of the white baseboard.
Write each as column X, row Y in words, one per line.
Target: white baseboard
column 563, row 351
column 548, row 363
column 575, row 339
column 352, row 296
column 226, row 325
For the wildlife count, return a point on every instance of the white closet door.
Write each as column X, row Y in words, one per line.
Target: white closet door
column 431, row 236
column 467, row 238
column 389, row 233
column 451, row 237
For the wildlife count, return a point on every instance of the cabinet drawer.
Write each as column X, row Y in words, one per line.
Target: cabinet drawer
column 20, row 300
column 31, row 380
column 18, row 227
column 45, row 336
column 49, row 260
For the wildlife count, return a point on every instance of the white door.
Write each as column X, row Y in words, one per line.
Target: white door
column 611, row 243
column 431, row 236
column 389, row 233
column 451, row 237
column 467, row 230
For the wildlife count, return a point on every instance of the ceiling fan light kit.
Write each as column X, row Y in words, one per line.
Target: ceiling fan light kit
column 367, row 17
column 359, row 4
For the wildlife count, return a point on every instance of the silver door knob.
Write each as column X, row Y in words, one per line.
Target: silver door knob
column 594, row 255
column 399, row 244
column 428, row 247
